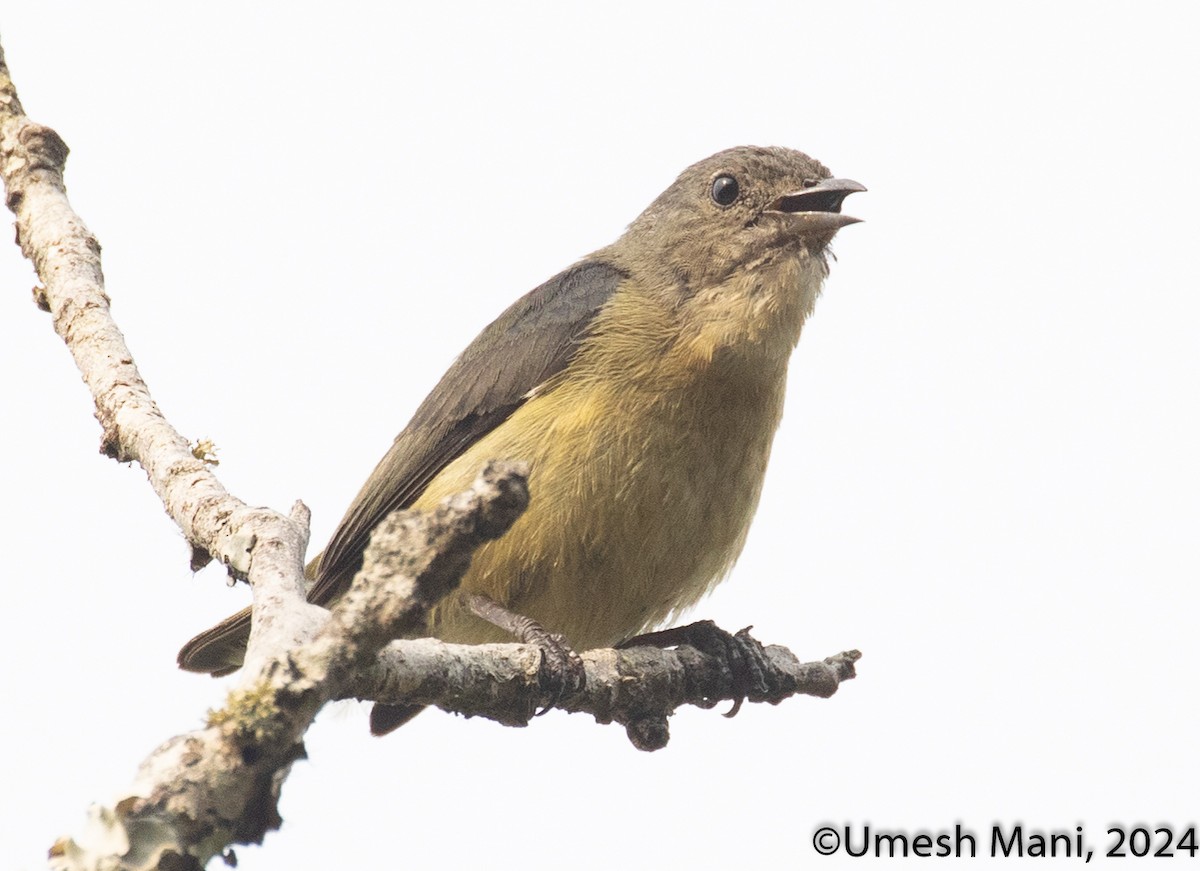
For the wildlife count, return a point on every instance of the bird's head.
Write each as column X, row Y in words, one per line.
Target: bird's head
column 739, row 209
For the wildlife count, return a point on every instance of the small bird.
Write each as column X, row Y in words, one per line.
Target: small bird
column 643, row 385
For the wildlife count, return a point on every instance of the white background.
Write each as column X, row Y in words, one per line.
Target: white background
column 986, row 478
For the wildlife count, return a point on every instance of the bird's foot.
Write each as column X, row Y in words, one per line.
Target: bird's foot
column 562, row 672
column 743, row 655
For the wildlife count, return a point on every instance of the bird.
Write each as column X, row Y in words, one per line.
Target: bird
column 643, row 385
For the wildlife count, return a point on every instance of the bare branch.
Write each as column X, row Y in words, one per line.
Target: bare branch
column 67, row 258
column 638, row 688
column 203, row 791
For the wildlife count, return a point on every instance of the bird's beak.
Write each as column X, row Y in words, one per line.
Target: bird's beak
column 818, row 209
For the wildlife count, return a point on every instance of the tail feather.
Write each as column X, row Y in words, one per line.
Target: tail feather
column 386, row 718
column 219, row 650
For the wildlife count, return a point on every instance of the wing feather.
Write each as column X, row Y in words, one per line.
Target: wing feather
column 532, row 341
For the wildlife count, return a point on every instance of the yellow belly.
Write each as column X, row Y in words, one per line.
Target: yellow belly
column 628, row 523
column 646, row 456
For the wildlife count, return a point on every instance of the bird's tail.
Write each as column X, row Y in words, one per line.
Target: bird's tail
column 219, row 650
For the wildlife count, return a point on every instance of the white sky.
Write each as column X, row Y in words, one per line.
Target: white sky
column 986, row 478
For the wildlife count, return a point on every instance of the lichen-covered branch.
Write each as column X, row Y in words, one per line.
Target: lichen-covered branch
column 638, row 688
column 202, row 792
column 257, row 544
column 66, row 257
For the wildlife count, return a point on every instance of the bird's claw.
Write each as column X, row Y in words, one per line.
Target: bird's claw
column 561, row 673
column 751, row 673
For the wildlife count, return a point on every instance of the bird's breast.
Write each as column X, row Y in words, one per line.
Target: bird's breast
column 642, row 486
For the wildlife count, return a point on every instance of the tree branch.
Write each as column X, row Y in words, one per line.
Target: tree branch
column 66, row 257
column 638, row 688
column 203, row 791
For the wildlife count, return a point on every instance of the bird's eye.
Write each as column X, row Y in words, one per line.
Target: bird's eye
column 724, row 190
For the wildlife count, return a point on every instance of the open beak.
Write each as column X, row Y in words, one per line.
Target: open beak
column 818, row 208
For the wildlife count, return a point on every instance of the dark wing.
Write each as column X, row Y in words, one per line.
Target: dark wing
column 528, row 344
